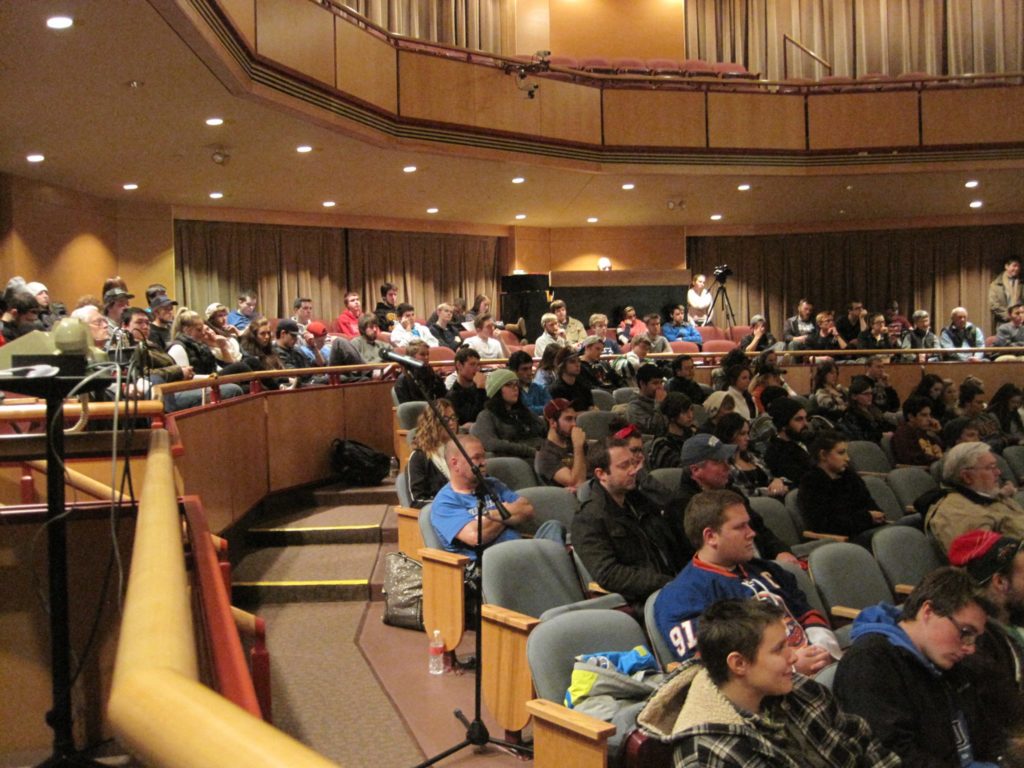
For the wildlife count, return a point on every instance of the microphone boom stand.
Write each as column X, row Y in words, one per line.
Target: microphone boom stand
column 477, row 734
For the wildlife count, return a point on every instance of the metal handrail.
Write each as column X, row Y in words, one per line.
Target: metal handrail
column 785, row 58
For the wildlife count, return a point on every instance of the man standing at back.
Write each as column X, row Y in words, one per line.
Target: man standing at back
column 1005, row 291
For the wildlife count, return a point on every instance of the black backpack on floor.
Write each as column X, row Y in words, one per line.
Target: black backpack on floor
column 357, row 464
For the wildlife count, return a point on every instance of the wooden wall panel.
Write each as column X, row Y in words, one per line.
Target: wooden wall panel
column 367, row 67
column 570, row 112
column 300, row 427
column 297, row 34
column 756, row 121
column 854, row 120
column 368, row 415
column 972, row 116
column 654, row 118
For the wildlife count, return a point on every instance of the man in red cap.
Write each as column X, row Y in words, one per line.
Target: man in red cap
column 996, row 564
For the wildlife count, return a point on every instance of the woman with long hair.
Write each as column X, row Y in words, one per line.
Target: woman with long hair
column 228, row 350
column 933, row 387
column 746, row 470
column 505, row 426
column 545, row 375
column 427, row 471
column 831, row 397
column 737, row 377
column 698, row 301
column 1005, row 406
column 257, row 347
column 191, row 342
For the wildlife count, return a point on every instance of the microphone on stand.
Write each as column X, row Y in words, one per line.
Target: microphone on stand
column 403, row 360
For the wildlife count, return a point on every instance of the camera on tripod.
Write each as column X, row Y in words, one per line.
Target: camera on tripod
column 722, row 273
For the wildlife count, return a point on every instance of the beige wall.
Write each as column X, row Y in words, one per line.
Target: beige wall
column 533, row 27
column 578, row 248
column 72, row 241
column 643, row 28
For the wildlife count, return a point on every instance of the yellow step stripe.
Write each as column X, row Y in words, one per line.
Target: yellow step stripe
column 368, row 527
column 328, row 583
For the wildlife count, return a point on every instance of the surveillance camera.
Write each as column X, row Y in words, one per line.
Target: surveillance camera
column 532, row 91
column 219, row 157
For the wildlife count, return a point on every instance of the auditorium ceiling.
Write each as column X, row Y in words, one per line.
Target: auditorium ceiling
column 121, row 99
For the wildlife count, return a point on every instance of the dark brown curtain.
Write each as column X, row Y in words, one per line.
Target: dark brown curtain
column 931, row 269
column 217, row 259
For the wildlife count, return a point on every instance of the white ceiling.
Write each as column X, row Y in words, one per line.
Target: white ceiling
column 66, row 95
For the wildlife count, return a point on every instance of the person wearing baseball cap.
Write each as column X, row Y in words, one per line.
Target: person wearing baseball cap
column 162, row 309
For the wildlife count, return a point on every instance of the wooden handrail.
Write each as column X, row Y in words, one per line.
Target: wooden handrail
column 81, row 482
column 785, row 58
column 36, row 411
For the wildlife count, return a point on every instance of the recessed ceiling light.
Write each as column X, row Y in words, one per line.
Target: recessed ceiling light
column 303, row 149
column 592, row 220
column 971, row 184
column 59, row 22
column 130, row 187
column 716, row 217
column 849, row 187
column 214, row 121
column 328, row 203
column 35, row 158
column 743, row 187
column 842, row 210
column 409, row 169
column 520, row 216
column 976, row 203
column 431, row 210
column 518, row 180
column 628, row 187
column 216, row 195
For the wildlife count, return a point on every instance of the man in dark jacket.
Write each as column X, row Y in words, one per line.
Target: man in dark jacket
column 787, row 457
column 904, row 674
column 621, row 536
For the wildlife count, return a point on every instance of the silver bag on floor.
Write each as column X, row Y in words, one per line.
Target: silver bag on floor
column 403, row 591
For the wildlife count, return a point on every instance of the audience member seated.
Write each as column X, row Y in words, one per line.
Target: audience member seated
column 406, row 328
column 915, row 440
column 748, row 474
column 50, row 312
column 154, row 366
column 826, row 337
column 387, row 311
column 621, row 535
column 21, row 312
column 1005, row 406
column 575, row 333
column 960, row 334
column 677, row 410
column 787, row 456
column 348, row 320
column 1005, row 291
column 760, row 338
column 535, row 396
column 716, row 406
column 453, row 512
column 643, row 410
column 545, row 375
column 897, row 323
column 932, row 387
column 567, row 382
column 313, row 344
column 257, row 345
column 505, row 425
column 227, row 350
column 833, row 498
column 921, row 336
column 244, row 311
column 904, row 674
column 765, row 377
column 972, row 499
column 489, row 347
column 659, row 344
column 366, row 344
column 427, row 471
column 831, row 399
column 960, row 430
column 562, row 458
column 162, row 317
column 286, row 347
column 593, row 372
column 800, row 327
column 1011, row 334
column 630, row 326
column 465, row 396
column 444, row 328
column 698, row 301
column 482, row 306
column 679, row 329
column 98, row 328
column 553, row 334
column 682, row 379
column 877, row 336
column 742, row 705
column 972, row 406
column 732, row 357
column 419, row 383
column 855, row 322
column 884, row 395
column 192, row 345
column 726, row 565
column 599, row 328
column 737, row 378
column 863, row 420
column 343, row 351
column 631, row 362
column 996, row 565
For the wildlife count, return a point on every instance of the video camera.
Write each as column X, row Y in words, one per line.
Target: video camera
column 722, row 273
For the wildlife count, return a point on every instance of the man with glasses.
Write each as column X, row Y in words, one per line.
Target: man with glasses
column 970, row 472
column 242, row 315
column 905, row 677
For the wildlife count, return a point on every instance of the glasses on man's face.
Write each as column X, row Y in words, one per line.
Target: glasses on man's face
column 968, row 635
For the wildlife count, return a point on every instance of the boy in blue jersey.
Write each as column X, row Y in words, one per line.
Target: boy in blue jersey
column 726, row 566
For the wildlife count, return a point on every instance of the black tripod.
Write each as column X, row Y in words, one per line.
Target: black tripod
column 721, row 295
column 477, row 734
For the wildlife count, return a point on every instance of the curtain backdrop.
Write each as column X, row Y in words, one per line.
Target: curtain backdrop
column 859, row 36
column 217, row 259
column 934, row 269
column 472, row 24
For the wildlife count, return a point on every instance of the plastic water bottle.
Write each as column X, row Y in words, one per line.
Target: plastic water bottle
column 436, row 651
column 394, row 468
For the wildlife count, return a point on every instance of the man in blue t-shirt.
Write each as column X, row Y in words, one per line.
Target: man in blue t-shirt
column 453, row 513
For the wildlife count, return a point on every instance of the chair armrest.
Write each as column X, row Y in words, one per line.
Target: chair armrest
column 845, row 612
column 505, row 671
column 410, row 539
column 609, row 600
column 824, row 536
column 865, row 473
column 596, row 589
column 443, row 597
column 564, row 737
column 903, row 589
